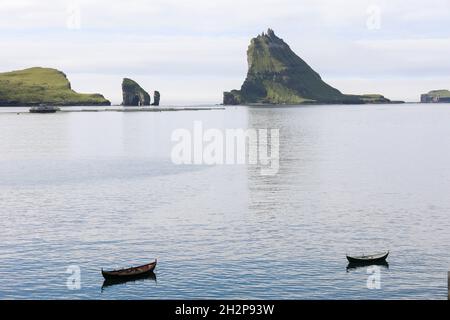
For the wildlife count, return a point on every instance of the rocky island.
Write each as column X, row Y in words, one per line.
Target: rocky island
column 436, row 96
column 276, row 75
column 134, row 95
column 35, row 86
column 156, row 98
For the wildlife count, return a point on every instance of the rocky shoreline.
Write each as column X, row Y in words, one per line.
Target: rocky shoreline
column 131, row 109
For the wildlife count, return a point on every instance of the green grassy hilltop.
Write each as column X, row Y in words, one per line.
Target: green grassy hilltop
column 36, row 86
column 440, row 93
column 436, row 96
column 276, row 75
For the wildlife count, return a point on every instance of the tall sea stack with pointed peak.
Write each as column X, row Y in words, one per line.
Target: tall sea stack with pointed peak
column 276, row 75
column 133, row 94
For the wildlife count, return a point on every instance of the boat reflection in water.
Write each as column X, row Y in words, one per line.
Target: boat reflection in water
column 141, row 278
column 358, row 265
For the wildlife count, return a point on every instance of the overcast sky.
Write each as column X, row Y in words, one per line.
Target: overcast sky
column 194, row 50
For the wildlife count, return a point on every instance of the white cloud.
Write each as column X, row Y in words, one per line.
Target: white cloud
column 213, row 15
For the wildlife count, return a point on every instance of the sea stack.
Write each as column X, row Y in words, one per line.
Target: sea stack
column 133, row 94
column 156, row 98
column 276, row 75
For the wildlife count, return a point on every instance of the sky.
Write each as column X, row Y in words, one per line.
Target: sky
column 193, row 50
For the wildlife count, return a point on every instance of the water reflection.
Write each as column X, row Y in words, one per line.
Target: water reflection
column 142, row 278
column 354, row 265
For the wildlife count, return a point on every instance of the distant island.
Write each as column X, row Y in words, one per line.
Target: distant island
column 436, row 96
column 35, row 86
column 276, row 75
column 134, row 95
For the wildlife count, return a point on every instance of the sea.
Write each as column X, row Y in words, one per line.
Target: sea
column 81, row 191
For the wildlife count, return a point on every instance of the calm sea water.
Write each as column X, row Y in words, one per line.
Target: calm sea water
column 99, row 190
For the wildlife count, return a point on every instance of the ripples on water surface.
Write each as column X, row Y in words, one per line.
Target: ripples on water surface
column 99, row 190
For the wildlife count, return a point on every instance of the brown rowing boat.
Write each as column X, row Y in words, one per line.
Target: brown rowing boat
column 367, row 259
column 130, row 272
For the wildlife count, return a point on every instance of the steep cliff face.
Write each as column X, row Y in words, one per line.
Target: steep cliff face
column 436, row 96
column 37, row 85
column 133, row 94
column 276, row 75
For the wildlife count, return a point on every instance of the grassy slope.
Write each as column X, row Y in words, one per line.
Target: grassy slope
column 282, row 76
column 42, row 85
column 440, row 93
column 277, row 75
column 132, row 86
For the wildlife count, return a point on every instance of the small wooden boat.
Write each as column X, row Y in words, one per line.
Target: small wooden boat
column 44, row 109
column 367, row 259
column 130, row 272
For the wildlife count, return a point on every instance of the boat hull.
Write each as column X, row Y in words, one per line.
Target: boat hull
column 368, row 259
column 43, row 111
column 130, row 273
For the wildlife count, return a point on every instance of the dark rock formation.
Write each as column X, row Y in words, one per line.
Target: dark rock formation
column 276, row 75
column 156, row 98
column 133, row 94
column 436, row 96
column 232, row 98
column 36, row 86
